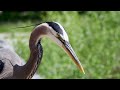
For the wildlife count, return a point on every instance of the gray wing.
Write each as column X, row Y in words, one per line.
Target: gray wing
column 8, row 59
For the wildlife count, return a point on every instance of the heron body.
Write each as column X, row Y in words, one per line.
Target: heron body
column 11, row 65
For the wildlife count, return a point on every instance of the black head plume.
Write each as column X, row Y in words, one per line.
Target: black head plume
column 56, row 27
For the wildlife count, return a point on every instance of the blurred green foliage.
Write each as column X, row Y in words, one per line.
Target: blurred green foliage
column 12, row 16
column 94, row 35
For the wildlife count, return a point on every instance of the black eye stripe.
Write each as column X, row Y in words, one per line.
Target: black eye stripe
column 55, row 26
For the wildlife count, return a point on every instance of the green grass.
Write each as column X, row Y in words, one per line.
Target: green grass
column 94, row 37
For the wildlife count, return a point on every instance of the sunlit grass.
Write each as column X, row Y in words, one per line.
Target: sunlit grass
column 94, row 37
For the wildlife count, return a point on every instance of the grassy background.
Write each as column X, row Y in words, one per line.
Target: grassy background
column 93, row 35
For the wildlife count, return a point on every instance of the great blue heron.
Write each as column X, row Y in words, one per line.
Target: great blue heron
column 11, row 66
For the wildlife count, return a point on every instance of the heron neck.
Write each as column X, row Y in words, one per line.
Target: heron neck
column 34, row 61
column 28, row 70
column 36, row 53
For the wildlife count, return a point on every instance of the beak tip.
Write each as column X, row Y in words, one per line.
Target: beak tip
column 81, row 69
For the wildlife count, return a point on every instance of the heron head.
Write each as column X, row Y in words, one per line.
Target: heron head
column 59, row 36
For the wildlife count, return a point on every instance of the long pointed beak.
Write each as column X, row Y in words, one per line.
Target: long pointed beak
column 68, row 49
